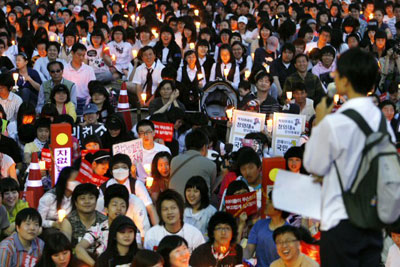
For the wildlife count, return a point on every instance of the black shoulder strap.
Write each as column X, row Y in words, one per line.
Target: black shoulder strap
column 132, row 183
column 183, row 163
column 382, row 125
column 359, row 120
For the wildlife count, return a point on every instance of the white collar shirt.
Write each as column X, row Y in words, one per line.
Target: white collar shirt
column 81, row 78
column 141, row 73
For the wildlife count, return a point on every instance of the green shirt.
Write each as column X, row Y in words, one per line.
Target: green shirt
column 21, row 204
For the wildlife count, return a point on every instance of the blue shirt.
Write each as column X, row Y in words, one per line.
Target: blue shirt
column 261, row 236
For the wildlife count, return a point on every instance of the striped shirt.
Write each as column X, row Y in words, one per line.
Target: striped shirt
column 13, row 253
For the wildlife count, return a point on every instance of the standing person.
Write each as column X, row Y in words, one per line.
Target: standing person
column 80, row 74
column 221, row 249
column 329, row 144
column 23, row 248
column 121, row 246
column 170, row 210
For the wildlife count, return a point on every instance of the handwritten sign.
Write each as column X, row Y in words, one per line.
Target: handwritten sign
column 244, row 122
column 134, row 149
column 286, row 132
column 236, row 204
column 164, row 130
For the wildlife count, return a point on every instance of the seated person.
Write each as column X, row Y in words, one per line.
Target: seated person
column 287, row 239
column 393, row 256
column 90, row 116
column 42, row 126
column 24, row 246
column 7, row 166
column 83, row 214
column 244, row 94
column 174, row 250
column 60, row 96
column 300, row 98
column 165, row 97
column 116, row 203
column 100, row 162
column 10, row 194
column 170, row 210
column 121, row 246
column 5, row 229
column 91, row 142
column 222, row 231
column 160, row 171
column 57, row 198
column 120, row 168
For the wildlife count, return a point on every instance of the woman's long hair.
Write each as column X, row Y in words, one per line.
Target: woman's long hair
column 61, row 185
column 55, row 243
column 154, row 170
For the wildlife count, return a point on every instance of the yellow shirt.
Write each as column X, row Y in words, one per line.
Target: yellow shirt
column 21, row 204
column 302, row 261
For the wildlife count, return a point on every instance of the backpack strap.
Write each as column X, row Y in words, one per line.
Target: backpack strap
column 338, row 175
column 382, row 124
column 359, row 120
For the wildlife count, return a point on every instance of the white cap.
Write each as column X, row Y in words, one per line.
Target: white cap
column 243, row 19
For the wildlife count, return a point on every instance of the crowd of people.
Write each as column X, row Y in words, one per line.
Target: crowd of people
column 67, row 61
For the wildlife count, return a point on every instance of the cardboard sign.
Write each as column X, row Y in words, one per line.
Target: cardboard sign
column 244, row 122
column 164, row 131
column 286, row 133
column 86, row 175
column 236, row 204
column 134, row 149
column 81, row 132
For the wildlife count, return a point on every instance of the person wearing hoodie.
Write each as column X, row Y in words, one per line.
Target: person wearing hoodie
column 120, row 168
column 121, row 246
column 116, row 132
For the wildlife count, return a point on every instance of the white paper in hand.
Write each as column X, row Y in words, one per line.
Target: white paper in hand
column 298, row 194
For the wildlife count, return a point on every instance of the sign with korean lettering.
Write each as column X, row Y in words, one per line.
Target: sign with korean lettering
column 287, row 130
column 236, row 204
column 134, row 149
column 62, row 158
column 61, row 148
column 164, row 130
column 81, row 132
column 244, row 122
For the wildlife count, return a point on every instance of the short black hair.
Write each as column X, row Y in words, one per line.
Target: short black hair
column 200, row 184
column 51, row 63
column 8, row 184
column 84, row 189
column 7, row 80
column 116, row 190
column 146, row 257
column 247, row 156
column 299, row 86
column 222, row 217
column 26, row 214
column 196, row 140
column 286, row 229
column 235, row 186
column 168, row 244
column 170, row 194
column 55, row 44
column 290, row 47
column 360, row 68
column 60, row 88
column 387, row 103
column 144, row 123
column 299, row 56
column 245, row 85
column 78, row 46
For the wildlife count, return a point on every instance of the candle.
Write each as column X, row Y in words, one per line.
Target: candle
column 58, row 38
column 196, row 12
column 336, row 98
column 133, row 18
column 154, row 32
column 138, row 6
column 144, row 96
column 134, row 53
column 226, row 72
column 61, row 214
column 191, row 46
column 84, row 40
column 197, row 25
column 159, row 15
column 247, row 74
column 13, row 42
column 42, row 165
column 37, row 2
column 252, row 56
column 113, row 57
column 223, row 249
column 52, row 38
column 147, row 167
column 149, row 181
column 229, row 113
column 15, row 76
column 269, row 125
column 371, row 16
column 289, row 95
column 199, row 76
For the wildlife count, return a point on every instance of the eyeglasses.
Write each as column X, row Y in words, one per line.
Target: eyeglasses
column 287, row 242
column 220, row 229
column 55, row 71
column 145, row 133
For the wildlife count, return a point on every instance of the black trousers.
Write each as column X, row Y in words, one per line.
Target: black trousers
column 348, row 246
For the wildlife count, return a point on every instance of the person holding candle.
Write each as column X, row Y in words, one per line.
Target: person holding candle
column 189, row 36
column 221, row 249
column 204, row 57
column 70, row 39
column 283, row 66
column 174, row 250
column 226, row 68
column 122, row 51
column 98, row 57
column 58, row 198
column 166, row 49
column 53, row 49
column 243, row 60
column 165, row 97
column 198, row 209
column 300, row 98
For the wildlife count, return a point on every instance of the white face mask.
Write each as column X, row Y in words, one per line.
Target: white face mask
column 72, row 184
column 120, row 174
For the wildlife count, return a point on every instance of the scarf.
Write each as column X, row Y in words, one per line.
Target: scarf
column 219, row 256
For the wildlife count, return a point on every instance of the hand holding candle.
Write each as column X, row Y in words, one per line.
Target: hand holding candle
column 336, row 98
column 61, row 214
column 84, row 40
column 226, row 72
column 247, row 74
column 149, row 181
column 134, row 53
column 196, row 12
column 229, row 113
column 269, row 125
column 144, row 97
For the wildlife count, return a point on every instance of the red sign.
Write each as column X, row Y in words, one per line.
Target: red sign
column 61, row 148
column 84, row 152
column 46, row 157
column 86, row 175
column 164, row 131
column 236, row 204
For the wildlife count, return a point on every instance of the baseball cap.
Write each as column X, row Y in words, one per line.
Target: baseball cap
column 60, row 20
column 348, row 2
column 76, row 9
column 272, row 43
column 89, row 109
column 243, row 19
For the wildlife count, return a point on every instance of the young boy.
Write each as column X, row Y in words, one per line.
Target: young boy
column 23, row 248
column 244, row 93
column 393, row 257
column 300, row 98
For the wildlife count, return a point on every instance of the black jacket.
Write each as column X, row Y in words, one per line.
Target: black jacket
column 174, row 54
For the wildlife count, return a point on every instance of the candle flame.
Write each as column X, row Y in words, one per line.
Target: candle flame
column 149, row 181
column 191, row 46
column 247, row 74
column 336, row 98
column 196, row 12
column 229, row 112
column 371, row 16
column 289, row 95
column 15, row 76
column 134, row 53
column 144, row 96
column 61, row 214
column 199, row 76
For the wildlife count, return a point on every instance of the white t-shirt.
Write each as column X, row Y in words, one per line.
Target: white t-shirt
column 148, row 155
column 123, row 54
column 5, row 163
column 393, row 258
column 190, row 233
column 200, row 219
column 95, row 60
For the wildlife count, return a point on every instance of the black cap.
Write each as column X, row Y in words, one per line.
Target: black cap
column 113, row 124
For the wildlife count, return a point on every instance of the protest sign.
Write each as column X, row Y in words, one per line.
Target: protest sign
column 81, row 132
column 236, row 204
column 287, row 130
column 164, row 131
column 61, row 148
column 244, row 122
column 134, row 149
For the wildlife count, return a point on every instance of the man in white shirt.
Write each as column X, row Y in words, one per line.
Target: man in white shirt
column 300, row 98
column 170, row 210
column 337, row 139
column 141, row 80
column 80, row 74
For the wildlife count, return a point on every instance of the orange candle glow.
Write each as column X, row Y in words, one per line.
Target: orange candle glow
column 61, row 214
column 149, row 181
column 144, row 97
column 247, row 74
column 269, row 125
column 289, row 95
column 229, row 113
